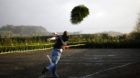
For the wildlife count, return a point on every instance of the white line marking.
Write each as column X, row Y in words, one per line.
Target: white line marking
column 112, row 68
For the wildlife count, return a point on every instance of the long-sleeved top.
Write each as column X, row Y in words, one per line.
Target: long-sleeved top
column 60, row 41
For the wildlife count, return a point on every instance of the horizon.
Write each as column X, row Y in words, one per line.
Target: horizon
column 79, row 32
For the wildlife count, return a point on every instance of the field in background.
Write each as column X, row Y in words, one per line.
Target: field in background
column 102, row 40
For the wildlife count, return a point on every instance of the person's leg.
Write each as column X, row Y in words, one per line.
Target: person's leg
column 55, row 57
column 54, row 74
column 55, row 60
column 50, row 66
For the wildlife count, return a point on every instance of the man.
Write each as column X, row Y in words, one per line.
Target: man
column 60, row 42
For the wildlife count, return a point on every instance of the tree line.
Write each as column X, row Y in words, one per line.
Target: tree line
column 103, row 40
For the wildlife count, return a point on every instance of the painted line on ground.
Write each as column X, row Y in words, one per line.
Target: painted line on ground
column 112, row 68
column 23, row 51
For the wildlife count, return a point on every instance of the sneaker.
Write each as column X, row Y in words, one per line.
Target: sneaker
column 44, row 71
column 55, row 75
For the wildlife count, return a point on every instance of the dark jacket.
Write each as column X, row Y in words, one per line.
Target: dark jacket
column 59, row 41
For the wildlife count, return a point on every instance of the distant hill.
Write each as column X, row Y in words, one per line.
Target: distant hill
column 10, row 30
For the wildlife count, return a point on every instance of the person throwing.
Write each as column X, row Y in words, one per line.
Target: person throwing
column 58, row 47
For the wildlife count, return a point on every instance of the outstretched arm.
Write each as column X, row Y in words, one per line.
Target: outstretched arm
column 54, row 37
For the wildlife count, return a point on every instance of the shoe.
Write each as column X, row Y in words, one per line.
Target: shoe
column 55, row 75
column 44, row 71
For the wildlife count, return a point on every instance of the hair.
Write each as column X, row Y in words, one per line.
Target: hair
column 65, row 33
column 65, row 36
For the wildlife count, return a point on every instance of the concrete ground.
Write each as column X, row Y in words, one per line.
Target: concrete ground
column 74, row 63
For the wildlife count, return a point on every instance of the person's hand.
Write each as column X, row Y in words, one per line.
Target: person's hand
column 55, row 33
column 52, row 38
column 65, row 47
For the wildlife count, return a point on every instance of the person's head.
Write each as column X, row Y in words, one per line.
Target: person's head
column 65, row 36
column 65, row 33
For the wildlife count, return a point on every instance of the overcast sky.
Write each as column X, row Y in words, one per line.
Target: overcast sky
column 54, row 15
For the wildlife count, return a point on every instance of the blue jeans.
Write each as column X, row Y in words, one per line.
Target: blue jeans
column 55, row 57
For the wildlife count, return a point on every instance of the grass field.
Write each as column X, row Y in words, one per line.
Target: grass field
column 74, row 63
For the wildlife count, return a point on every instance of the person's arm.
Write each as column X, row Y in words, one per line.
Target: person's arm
column 54, row 37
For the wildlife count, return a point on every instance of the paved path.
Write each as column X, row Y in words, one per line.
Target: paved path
column 92, row 63
column 75, row 63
